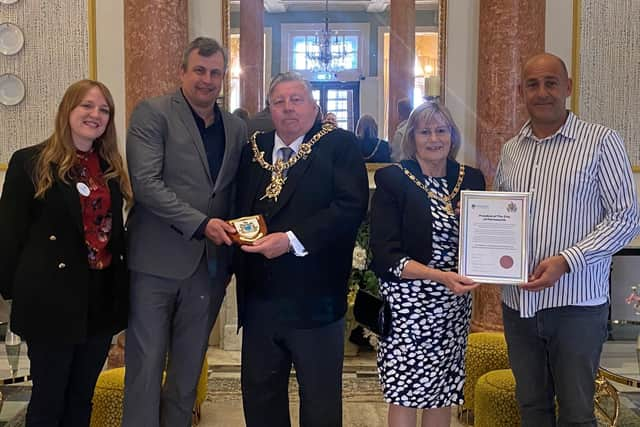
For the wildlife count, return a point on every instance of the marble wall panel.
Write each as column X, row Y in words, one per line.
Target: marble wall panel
column 156, row 33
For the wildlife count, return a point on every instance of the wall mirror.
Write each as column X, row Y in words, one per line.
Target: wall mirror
column 354, row 80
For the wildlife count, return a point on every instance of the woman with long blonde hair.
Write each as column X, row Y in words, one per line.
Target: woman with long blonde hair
column 63, row 263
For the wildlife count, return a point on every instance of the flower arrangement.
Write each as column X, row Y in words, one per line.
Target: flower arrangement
column 362, row 278
column 634, row 298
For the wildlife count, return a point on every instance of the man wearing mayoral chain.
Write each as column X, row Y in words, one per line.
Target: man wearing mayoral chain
column 309, row 182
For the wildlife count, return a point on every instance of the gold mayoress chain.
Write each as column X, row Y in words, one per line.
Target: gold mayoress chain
column 448, row 207
column 277, row 169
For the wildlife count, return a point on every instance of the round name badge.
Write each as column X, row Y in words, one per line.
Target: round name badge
column 83, row 189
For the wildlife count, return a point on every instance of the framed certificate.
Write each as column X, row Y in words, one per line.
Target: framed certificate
column 494, row 230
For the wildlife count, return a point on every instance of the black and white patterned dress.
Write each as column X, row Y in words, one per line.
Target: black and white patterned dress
column 421, row 361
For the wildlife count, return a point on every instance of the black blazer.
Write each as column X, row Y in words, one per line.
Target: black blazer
column 44, row 266
column 401, row 217
column 323, row 202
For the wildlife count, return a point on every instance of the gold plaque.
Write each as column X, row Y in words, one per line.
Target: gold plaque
column 249, row 229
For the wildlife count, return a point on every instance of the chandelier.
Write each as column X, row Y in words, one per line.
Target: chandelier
column 324, row 54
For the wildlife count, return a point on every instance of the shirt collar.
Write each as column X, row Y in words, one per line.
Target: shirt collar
column 279, row 143
column 567, row 130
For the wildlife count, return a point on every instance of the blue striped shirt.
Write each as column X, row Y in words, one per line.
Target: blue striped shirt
column 583, row 207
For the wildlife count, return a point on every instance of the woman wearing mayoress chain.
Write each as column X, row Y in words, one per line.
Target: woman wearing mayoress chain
column 414, row 240
column 63, row 262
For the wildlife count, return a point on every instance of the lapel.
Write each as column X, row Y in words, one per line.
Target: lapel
column 259, row 177
column 453, row 169
column 413, row 167
column 183, row 111
column 297, row 172
column 116, row 215
column 72, row 202
column 229, row 148
column 115, row 195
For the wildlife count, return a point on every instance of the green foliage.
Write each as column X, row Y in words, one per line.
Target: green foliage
column 361, row 277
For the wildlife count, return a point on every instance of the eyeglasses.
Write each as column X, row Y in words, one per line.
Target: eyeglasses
column 437, row 131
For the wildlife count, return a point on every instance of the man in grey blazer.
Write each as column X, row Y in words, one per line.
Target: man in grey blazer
column 183, row 152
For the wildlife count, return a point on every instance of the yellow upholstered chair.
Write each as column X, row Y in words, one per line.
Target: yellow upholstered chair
column 495, row 400
column 107, row 399
column 109, row 393
column 486, row 351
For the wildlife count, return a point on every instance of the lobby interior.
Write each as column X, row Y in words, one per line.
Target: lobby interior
column 468, row 53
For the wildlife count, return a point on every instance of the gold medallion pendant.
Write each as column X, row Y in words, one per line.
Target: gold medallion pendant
column 275, row 187
column 278, row 169
column 448, row 208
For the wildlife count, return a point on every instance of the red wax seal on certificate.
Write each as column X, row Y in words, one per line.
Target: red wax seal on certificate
column 506, row 262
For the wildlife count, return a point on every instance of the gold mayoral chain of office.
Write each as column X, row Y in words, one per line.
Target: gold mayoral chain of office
column 277, row 169
column 448, row 207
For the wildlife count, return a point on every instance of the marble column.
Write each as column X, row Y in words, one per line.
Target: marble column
column 155, row 35
column 402, row 47
column 251, row 55
column 509, row 33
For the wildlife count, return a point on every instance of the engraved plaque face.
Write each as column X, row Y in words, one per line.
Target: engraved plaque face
column 249, row 228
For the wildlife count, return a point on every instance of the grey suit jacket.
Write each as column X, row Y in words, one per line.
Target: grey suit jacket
column 173, row 188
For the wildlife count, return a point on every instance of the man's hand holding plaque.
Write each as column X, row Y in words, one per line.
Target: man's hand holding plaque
column 248, row 229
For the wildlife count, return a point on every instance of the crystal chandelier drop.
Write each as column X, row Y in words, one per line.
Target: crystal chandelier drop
column 324, row 54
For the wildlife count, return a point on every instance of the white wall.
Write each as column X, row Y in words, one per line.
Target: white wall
column 205, row 19
column 558, row 34
column 110, row 57
column 461, row 71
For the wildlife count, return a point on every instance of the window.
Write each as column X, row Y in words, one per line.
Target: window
column 298, row 42
column 304, row 46
column 426, row 65
column 234, row 69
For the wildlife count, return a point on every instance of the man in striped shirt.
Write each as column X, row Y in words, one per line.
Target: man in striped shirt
column 583, row 210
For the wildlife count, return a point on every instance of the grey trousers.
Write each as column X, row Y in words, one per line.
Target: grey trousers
column 556, row 354
column 169, row 325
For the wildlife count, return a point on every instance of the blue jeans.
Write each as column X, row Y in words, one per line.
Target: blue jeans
column 556, row 354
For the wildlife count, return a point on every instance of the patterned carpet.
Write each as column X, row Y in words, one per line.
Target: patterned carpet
column 355, row 388
column 364, row 388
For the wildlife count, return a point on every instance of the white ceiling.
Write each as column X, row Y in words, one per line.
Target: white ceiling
column 281, row 6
